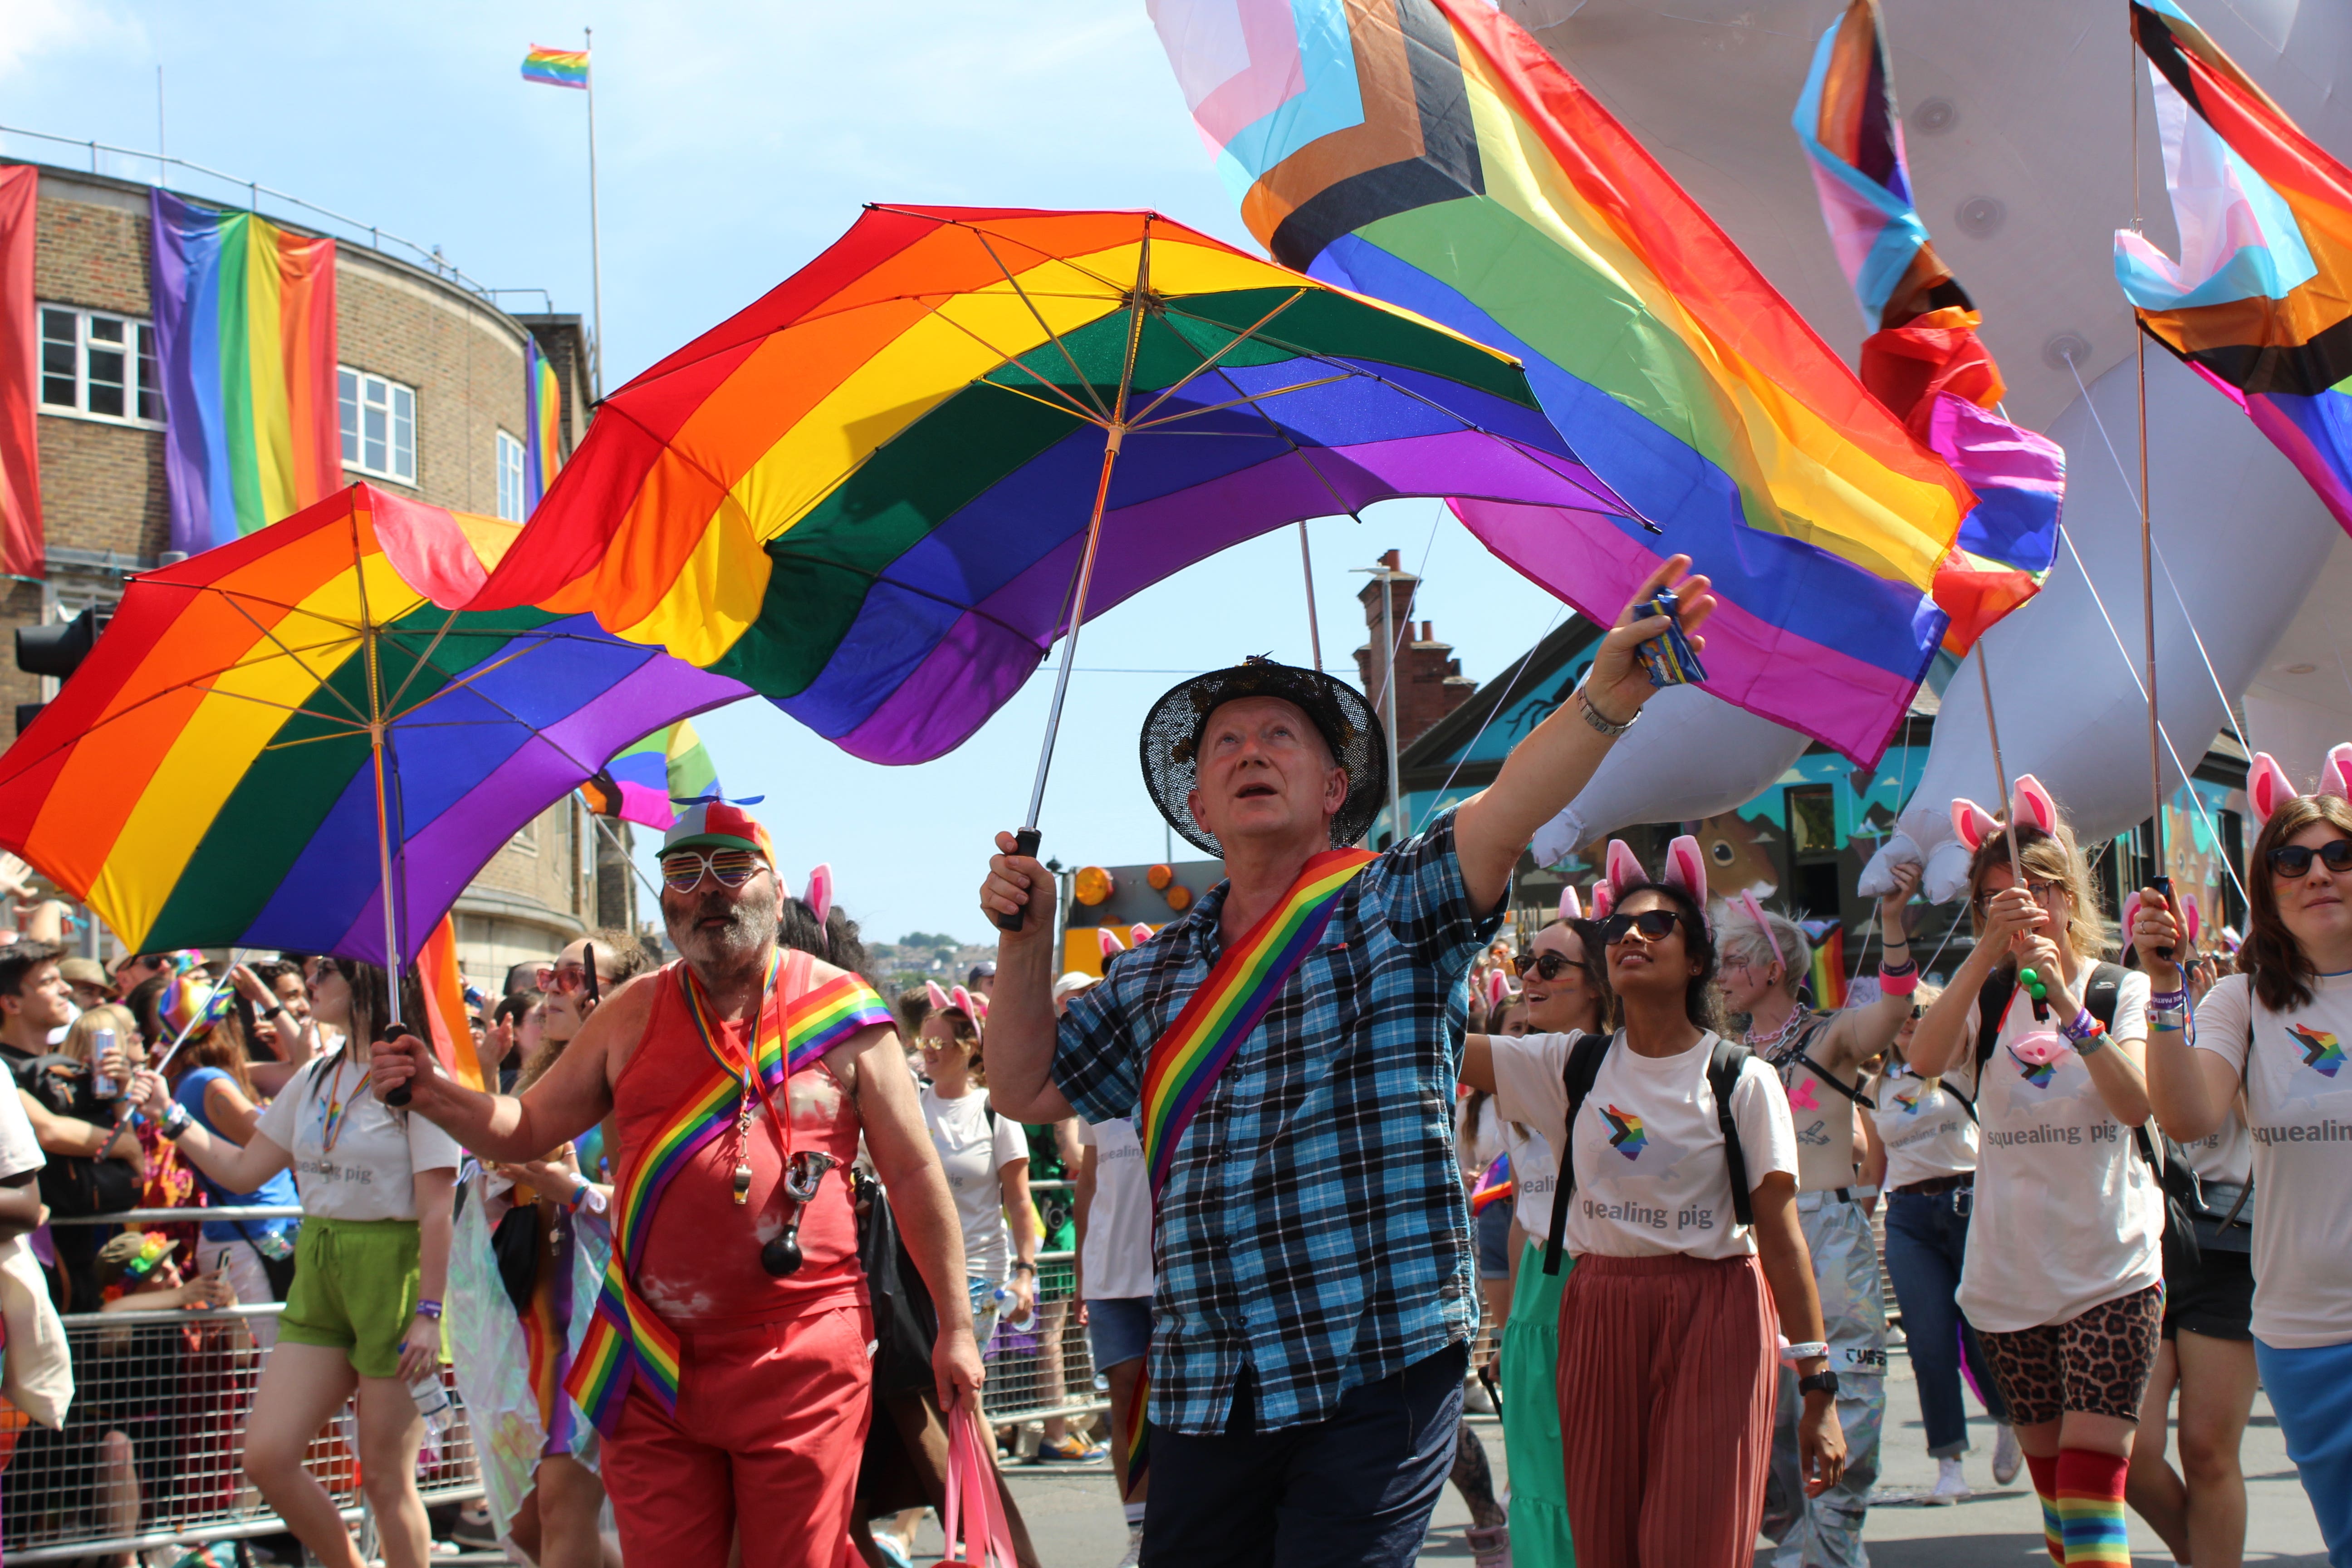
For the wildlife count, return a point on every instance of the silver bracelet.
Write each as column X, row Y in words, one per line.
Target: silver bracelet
column 1592, row 716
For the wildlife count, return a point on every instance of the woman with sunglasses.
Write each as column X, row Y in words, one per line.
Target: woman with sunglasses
column 2065, row 1277
column 1667, row 1366
column 364, row 1314
column 2268, row 1040
column 1923, row 1155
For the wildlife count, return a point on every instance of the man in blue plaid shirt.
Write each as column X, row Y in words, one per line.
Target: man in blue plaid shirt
column 1316, row 1287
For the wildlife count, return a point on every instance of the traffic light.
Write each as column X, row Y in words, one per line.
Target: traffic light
column 57, row 649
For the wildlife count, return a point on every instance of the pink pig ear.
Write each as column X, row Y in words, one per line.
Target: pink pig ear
column 1624, row 869
column 2267, row 787
column 820, row 892
column 1109, row 940
column 1973, row 823
column 2189, row 913
column 2336, row 773
column 938, row 996
column 964, row 1000
column 1499, row 990
column 1601, row 901
column 1137, row 934
column 2131, row 909
column 1570, row 907
column 1686, row 868
column 2029, row 802
column 978, row 1001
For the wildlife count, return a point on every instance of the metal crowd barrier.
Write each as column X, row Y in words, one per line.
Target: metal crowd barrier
column 1050, row 1370
column 149, row 1453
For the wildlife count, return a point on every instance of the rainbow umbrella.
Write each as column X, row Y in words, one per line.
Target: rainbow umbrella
column 879, row 494
column 273, row 732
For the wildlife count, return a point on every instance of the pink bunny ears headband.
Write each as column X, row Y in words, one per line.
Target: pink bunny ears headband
column 958, row 1001
column 2268, row 787
column 819, row 897
column 1685, row 869
column 2028, row 804
column 1136, row 935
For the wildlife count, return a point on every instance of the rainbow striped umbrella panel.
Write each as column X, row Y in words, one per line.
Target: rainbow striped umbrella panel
column 866, row 496
column 207, row 777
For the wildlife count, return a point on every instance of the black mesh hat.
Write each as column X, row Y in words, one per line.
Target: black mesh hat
column 1172, row 741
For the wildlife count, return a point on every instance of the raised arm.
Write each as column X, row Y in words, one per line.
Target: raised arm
column 1942, row 1040
column 1478, row 1062
column 574, row 1095
column 1547, row 769
column 908, row 1165
column 1019, row 1041
column 1861, row 1033
column 239, row 1169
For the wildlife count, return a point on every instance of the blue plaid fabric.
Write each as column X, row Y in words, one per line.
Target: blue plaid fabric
column 1314, row 1227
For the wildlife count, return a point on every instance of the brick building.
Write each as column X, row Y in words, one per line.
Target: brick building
column 1430, row 682
column 443, row 369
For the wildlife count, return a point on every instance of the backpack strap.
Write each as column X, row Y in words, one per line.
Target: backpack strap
column 1723, row 1067
column 1583, row 1072
column 2103, row 993
column 1992, row 1002
column 1804, row 1060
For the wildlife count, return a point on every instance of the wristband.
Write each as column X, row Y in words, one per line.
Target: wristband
column 1024, row 1269
column 2082, row 1027
column 2170, row 1001
column 429, row 1309
column 175, row 1121
column 2168, row 1020
column 1900, row 984
column 1592, row 716
column 1805, row 1351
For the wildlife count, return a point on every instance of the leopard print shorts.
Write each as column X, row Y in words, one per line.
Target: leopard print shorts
column 2097, row 1364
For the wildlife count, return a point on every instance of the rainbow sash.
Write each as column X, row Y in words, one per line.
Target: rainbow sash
column 627, row 1338
column 1187, row 1060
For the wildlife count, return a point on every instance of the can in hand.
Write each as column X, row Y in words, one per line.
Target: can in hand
column 1668, row 657
column 103, row 1083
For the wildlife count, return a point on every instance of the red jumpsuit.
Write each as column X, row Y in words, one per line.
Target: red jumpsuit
column 773, row 1383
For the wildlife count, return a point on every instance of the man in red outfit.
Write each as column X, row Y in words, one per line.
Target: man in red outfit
column 726, row 1366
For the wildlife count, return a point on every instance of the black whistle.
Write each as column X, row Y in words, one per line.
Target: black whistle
column 781, row 1257
column 2163, row 885
column 1024, row 842
column 402, row 1093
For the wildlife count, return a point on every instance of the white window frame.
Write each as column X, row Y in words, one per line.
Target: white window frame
column 508, row 456
column 359, row 392
column 144, row 372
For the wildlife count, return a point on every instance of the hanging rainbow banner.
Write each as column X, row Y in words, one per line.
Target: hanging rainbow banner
column 244, row 339
column 543, row 414
column 2258, row 301
column 1430, row 154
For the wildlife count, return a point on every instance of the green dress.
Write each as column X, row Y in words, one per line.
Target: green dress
column 1056, row 1210
column 1531, row 1444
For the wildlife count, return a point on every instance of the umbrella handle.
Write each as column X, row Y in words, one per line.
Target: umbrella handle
column 1025, row 843
column 401, row 1094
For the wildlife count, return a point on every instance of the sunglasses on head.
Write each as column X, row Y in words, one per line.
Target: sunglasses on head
column 1653, row 925
column 2295, row 859
column 1542, row 965
column 682, row 869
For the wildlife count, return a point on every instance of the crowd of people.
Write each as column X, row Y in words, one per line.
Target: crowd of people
column 721, row 1251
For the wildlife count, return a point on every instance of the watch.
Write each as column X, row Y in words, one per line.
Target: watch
column 1822, row 1382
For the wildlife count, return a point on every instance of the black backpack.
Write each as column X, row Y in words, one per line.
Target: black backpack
column 1583, row 1070
column 2184, row 1196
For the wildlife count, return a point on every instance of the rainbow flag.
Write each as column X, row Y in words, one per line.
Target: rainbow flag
column 642, row 782
column 1496, row 1187
column 542, row 415
column 444, row 984
column 1431, row 154
column 1923, row 360
column 2258, row 302
column 1828, row 968
column 244, row 339
column 556, row 67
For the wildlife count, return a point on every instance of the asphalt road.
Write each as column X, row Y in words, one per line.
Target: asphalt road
column 1075, row 1520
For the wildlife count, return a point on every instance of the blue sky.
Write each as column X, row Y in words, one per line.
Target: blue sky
column 734, row 142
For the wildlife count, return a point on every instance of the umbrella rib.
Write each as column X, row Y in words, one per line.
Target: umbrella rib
column 1038, row 316
column 1275, row 426
column 323, row 682
column 1247, row 397
column 1210, row 363
column 420, row 660
column 1092, row 416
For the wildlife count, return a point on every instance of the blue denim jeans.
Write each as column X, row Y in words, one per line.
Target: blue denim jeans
column 1926, row 1236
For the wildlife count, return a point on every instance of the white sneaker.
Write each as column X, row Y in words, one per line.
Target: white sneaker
column 1951, row 1483
column 2007, row 1456
column 1474, row 1398
column 1134, row 1547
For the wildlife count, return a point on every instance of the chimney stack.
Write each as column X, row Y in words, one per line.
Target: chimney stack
column 1430, row 682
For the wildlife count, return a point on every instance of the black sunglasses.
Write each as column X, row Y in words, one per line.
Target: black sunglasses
column 2295, row 859
column 1542, row 965
column 1653, row 925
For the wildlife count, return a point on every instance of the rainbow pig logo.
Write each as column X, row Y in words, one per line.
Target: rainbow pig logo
column 2038, row 1074
column 2320, row 1050
column 1625, row 1134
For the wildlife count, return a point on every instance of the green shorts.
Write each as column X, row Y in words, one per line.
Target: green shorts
column 355, row 1289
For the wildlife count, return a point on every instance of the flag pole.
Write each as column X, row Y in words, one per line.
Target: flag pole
column 1314, row 632
column 2000, row 772
column 2156, row 877
column 595, row 236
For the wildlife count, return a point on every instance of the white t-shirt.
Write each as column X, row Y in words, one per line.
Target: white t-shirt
column 1536, row 1169
column 2067, row 1213
column 370, row 1172
column 2227, row 1155
column 1116, row 1259
column 1477, row 1151
column 2299, row 1101
column 1827, row 1139
column 1651, row 1178
column 1925, row 1131
column 973, row 1155
column 20, row 1150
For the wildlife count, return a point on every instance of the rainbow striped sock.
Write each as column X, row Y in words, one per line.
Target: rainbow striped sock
column 2091, row 1508
column 2045, row 1488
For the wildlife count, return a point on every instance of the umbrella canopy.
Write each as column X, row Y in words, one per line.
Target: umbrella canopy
column 208, row 776
column 869, row 495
